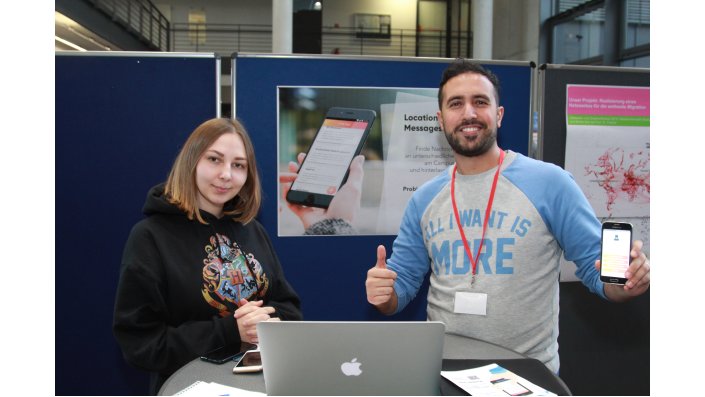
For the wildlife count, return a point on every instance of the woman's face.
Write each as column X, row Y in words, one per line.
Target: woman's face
column 220, row 173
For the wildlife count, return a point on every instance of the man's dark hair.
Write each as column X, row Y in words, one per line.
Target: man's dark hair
column 462, row 65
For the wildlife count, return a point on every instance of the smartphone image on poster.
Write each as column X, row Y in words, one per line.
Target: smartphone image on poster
column 614, row 256
column 251, row 361
column 511, row 387
column 325, row 168
column 227, row 353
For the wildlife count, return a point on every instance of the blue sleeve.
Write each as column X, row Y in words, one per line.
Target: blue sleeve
column 410, row 258
column 566, row 212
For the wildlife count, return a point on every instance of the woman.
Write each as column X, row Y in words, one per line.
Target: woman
column 200, row 272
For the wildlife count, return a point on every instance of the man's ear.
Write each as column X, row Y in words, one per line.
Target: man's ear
column 500, row 115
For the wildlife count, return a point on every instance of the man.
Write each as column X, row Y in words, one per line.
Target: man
column 496, row 278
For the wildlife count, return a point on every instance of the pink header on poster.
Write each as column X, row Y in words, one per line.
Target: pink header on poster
column 360, row 125
column 338, row 123
column 608, row 101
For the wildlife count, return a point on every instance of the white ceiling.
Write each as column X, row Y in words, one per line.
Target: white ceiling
column 70, row 36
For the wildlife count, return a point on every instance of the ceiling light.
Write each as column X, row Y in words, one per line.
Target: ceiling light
column 68, row 43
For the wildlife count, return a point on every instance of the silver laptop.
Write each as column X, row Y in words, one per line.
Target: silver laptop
column 351, row 358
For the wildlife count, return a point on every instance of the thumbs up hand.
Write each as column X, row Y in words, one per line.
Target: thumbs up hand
column 381, row 257
column 380, row 284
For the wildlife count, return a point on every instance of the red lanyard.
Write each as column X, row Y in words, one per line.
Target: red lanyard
column 487, row 214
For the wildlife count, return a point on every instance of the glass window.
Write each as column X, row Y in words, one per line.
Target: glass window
column 641, row 62
column 637, row 24
column 580, row 38
column 564, row 5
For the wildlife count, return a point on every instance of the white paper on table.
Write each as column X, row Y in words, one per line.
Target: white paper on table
column 201, row 388
column 493, row 381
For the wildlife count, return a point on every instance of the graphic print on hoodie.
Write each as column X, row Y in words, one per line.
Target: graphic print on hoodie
column 230, row 274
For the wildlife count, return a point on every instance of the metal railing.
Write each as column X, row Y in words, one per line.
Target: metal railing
column 139, row 17
column 225, row 39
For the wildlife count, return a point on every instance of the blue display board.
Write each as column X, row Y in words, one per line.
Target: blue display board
column 120, row 121
column 329, row 272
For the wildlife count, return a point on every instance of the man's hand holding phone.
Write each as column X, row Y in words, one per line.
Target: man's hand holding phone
column 325, row 168
column 638, row 276
column 344, row 204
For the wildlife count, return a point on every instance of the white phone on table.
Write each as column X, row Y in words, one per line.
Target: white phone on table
column 251, row 361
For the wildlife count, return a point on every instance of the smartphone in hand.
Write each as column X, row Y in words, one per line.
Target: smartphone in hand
column 227, row 353
column 615, row 254
column 325, row 168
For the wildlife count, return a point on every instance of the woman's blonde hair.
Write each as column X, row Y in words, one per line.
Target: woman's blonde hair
column 181, row 189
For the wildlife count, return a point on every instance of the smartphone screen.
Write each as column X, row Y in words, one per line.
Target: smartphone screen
column 616, row 245
column 325, row 168
column 250, row 359
column 250, row 362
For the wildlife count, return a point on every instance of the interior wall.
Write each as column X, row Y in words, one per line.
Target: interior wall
column 515, row 27
column 219, row 11
column 432, row 15
column 341, row 12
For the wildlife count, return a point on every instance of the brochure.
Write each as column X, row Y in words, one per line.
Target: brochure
column 493, row 380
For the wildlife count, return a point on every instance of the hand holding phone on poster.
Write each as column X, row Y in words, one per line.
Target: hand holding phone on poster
column 344, row 205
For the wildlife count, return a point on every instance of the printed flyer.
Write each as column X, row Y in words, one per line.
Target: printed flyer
column 494, row 381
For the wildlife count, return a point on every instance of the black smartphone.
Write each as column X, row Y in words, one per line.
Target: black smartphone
column 615, row 252
column 227, row 353
column 251, row 361
column 325, row 168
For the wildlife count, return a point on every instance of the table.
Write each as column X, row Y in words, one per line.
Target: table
column 455, row 347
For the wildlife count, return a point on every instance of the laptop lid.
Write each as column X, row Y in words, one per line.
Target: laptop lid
column 351, row 358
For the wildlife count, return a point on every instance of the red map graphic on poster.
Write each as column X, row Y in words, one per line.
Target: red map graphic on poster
column 622, row 174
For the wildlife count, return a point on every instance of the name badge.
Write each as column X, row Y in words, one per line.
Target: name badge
column 470, row 303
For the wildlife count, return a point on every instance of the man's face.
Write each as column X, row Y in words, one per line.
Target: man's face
column 469, row 114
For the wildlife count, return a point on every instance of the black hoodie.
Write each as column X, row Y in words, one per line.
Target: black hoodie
column 178, row 288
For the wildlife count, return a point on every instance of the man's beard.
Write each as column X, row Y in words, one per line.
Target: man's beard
column 483, row 142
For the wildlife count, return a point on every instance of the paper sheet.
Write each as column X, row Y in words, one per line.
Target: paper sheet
column 494, row 381
column 201, row 388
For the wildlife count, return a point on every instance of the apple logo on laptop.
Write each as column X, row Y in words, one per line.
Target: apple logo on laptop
column 351, row 368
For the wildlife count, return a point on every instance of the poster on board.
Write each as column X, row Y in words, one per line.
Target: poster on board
column 405, row 148
column 607, row 152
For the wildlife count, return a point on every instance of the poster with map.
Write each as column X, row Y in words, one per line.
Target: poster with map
column 607, row 152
